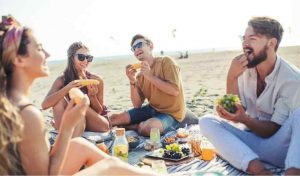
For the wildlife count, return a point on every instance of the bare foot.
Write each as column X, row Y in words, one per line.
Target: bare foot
column 256, row 167
column 292, row 171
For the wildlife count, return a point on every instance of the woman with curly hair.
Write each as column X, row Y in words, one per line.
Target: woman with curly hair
column 78, row 60
column 11, row 126
column 24, row 146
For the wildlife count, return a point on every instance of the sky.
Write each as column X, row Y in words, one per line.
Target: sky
column 107, row 26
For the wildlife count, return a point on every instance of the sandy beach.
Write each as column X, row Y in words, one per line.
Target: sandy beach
column 203, row 75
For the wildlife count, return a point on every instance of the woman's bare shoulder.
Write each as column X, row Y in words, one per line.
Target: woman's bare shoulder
column 30, row 111
column 59, row 80
column 32, row 116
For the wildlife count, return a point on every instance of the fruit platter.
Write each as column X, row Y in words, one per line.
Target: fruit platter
column 172, row 152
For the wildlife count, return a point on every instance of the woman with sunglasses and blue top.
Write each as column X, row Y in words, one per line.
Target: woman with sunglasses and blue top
column 78, row 60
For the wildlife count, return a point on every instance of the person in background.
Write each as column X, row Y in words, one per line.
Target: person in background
column 24, row 146
column 78, row 60
column 269, row 89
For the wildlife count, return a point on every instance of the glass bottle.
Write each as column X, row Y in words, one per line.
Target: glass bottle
column 120, row 146
column 155, row 135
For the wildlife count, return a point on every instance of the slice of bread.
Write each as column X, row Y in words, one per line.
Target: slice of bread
column 76, row 94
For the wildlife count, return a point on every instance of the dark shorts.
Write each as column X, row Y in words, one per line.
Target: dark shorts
column 146, row 112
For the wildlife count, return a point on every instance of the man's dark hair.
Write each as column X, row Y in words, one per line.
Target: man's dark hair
column 268, row 27
column 140, row 36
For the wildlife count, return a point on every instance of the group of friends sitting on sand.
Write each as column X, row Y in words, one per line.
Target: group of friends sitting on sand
column 267, row 85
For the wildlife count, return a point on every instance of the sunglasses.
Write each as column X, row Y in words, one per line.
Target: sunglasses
column 138, row 45
column 82, row 57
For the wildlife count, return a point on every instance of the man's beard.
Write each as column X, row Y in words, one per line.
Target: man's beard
column 259, row 58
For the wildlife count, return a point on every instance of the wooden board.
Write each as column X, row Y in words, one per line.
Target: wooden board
column 148, row 161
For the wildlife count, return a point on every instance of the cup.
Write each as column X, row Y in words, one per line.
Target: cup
column 155, row 135
column 208, row 151
column 159, row 166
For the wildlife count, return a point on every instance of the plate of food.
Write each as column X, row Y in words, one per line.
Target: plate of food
column 182, row 135
column 168, row 140
column 172, row 152
column 133, row 141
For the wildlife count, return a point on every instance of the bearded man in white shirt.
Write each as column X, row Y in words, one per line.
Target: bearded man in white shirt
column 269, row 89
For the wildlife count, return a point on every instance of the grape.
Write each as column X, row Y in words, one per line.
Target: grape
column 175, row 151
column 228, row 102
column 185, row 150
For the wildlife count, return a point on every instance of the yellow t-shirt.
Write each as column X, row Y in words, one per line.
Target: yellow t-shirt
column 167, row 70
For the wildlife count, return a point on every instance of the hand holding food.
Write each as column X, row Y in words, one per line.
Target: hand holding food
column 136, row 66
column 76, row 94
column 228, row 102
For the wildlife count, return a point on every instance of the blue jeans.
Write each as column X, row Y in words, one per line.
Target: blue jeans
column 146, row 112
column 239, row 147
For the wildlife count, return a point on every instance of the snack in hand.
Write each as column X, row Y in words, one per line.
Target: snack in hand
column 87, row 82
column 228, row 102
column 76, row 94
column 136, row 65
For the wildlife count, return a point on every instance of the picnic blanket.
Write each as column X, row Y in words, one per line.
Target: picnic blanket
column 217, row 165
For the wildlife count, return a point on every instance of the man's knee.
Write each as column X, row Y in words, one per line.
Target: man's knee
column 208, row 123
column 145, row 127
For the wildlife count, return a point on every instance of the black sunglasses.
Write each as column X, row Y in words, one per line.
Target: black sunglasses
column 81, row 57
column 138, row 45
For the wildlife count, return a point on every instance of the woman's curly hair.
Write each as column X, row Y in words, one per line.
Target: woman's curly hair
column 11, row 124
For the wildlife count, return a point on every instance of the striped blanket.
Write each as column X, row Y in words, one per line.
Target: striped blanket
column 217, row 165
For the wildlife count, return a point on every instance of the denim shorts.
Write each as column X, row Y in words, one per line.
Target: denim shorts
column 146, row 112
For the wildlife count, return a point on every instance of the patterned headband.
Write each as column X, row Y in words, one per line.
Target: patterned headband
column 12, row 39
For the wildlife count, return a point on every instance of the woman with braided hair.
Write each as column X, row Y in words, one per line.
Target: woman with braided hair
column 24, row 146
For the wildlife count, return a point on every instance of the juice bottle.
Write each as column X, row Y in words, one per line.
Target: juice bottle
column 120, row 146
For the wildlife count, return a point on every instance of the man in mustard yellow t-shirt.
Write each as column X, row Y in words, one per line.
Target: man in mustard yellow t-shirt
column 160, row 83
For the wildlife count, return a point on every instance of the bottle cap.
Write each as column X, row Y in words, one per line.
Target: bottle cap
column 120, row 131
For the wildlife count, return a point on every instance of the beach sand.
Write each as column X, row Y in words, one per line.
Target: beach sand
column 203, row 76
